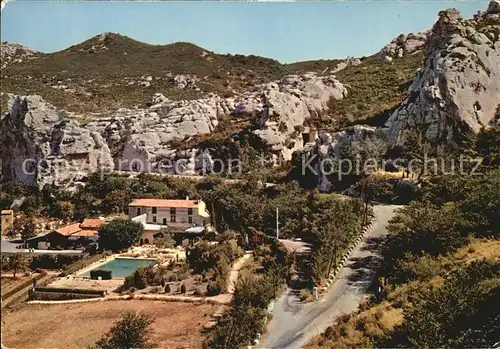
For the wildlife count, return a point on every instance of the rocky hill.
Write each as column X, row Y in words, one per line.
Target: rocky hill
column 457, row 92
column 129, row 100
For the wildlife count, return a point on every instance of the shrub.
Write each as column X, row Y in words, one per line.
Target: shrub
column 213, row 288
column 104, row 274
column 168, row 288
column 183, row 289
column 305, row 294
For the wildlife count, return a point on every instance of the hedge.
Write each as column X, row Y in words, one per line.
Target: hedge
column 59, row 296
column 58, row 261
column 73, row 268
column 99, row 293
column 104, row 274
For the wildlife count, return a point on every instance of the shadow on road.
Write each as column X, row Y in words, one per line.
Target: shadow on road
column 372, row 244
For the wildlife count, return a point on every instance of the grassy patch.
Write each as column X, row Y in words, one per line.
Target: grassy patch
column 375, row 89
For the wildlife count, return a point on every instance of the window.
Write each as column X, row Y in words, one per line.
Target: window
column 190, row 219
column 138, row 211
column 172, row 210
column 190, row 211
column 164, row 221
column 172, row 218
column 154, row 219
column 154, row 210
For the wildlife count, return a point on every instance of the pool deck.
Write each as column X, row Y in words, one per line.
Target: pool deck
column 94, row 265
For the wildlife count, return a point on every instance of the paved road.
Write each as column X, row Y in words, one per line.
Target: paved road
column 294, row 324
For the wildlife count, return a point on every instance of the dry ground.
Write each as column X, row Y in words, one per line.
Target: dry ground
column 87, row 284
column 77, row 325
column 8, row 282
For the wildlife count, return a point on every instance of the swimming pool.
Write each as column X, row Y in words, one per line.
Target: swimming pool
column 122, row 267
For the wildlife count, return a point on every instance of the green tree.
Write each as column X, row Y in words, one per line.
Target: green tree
column 25, row 227
column 18, row 262
column 14, row 190
column 120, row 234
column 461, row 314
column 130, row 331
column 66, row 211
column 116, row 200
column 166, row 241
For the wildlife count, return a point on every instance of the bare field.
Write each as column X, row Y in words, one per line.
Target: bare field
column 73, row 326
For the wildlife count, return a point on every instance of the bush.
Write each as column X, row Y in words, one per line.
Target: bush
column 81, row 263
column 104, row 274
column 59, row 296
column 213, row 288
column 70, row 290
column 168, row 289
column 50, row 261
column 183, row 289
column 305, row 294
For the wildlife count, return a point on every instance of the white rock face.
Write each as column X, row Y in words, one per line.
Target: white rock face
column 183, row 81
column 41, row 145
column 403, row 45
column 14, row 53
column 458, row 90
column 281, row 107
column 349, row 61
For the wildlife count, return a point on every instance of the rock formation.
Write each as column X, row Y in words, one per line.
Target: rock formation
column 403, row 45
column 458, row 90
column 281, row 108
column 42, row 145
column 14, row 53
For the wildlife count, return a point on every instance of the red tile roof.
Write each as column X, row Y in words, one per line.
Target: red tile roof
column 91, row 223
column 85, row 233
column 69, row 229
column 164, row 203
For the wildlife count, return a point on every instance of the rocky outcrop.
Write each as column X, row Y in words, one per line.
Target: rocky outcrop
column 14, row 53
column 40, row 145
column 349, row 61
column 281, row 108
column 326, row 151
column 403, row 45
column 494, row 7
column 457, row 91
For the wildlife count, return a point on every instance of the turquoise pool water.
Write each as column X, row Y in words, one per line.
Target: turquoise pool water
column 122, row 267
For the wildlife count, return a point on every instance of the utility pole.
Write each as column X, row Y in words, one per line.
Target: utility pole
column 277, row 224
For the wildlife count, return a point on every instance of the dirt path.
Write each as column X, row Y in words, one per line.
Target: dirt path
column 235, row 272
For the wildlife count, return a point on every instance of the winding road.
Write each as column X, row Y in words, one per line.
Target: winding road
column 294, row 323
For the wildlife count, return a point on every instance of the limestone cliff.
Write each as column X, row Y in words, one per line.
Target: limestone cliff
column 457, row 91
column 40, row 145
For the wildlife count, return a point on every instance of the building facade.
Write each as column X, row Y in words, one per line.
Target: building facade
column 174, row 214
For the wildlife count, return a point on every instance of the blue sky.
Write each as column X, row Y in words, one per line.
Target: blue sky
column 284, row 31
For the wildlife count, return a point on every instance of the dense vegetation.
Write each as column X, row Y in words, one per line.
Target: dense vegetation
column 441, row 272
column 119, row 234
column 333, row 223
column 376, row 89
column 257, row 286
